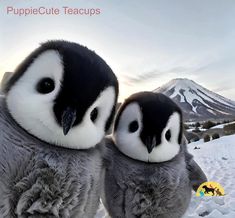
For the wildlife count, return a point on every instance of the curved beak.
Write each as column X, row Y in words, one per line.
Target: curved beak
column 150, row 143
column 68, row 118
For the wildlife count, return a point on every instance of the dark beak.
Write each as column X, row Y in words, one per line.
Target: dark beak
column 68, row 118
column 149, row 144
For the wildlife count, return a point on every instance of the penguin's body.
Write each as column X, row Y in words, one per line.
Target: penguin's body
column 49, row 167
column 140, row 183
column 36, row 179
column 138, row 189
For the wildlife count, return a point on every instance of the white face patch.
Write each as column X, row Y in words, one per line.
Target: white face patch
column 34, row 111
column 131, row 144
column 167, row 150
column 87, row 134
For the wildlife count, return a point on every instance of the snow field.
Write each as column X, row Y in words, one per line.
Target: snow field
column 217, row 159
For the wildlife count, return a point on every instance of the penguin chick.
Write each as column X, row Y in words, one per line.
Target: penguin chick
column 149, row 173
column 55, row 111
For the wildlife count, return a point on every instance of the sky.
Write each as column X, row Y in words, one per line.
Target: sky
column 146, row 43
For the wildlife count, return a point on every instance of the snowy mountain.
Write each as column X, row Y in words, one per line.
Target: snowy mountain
column 197, row 102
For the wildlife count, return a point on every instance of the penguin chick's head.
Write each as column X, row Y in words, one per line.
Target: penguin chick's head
column 64, row 94
column 148, row 127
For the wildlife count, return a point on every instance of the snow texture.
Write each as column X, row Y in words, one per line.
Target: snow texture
column 217, row 159
column 221, row 126
column 190, row 88
column 196, row 101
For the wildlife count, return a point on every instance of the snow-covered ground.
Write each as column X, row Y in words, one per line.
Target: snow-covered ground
column 217, row 159
column 191, row 129
column 221, row 126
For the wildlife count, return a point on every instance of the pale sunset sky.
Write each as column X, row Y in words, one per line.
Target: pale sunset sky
column 146, row 43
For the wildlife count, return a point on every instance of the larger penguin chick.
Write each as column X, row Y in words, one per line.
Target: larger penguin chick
column 149, row 172
column 61, row 96
column 64, row 94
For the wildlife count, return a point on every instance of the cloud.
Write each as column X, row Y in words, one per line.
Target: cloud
column 174, row 72
column 223, row 89
column 141, row 78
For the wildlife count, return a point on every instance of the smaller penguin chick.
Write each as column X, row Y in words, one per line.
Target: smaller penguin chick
column 149, row 172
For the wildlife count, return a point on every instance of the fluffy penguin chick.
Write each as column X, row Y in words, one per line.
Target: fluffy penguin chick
column 149, row 173
column 57, row 106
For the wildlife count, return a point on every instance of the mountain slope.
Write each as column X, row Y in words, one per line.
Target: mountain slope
column 197, row 102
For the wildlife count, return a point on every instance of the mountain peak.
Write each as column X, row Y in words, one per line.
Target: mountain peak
column 182, row 82
column 196, row 101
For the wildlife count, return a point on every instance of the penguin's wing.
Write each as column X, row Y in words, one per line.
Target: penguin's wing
column 5, row 79
column 107, row 151
column 114, row 191
column 196, row 174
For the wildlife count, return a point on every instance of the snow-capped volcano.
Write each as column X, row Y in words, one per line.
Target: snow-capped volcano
column 197, row 102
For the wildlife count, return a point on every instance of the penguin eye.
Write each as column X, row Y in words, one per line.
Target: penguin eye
column 94, row 114
column 45, row 85
column 168, row 135
column 133, row 126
